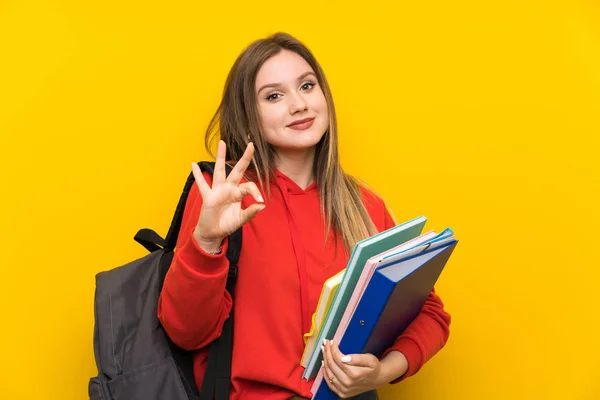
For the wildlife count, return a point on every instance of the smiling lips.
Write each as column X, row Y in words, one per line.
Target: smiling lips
column 301, row 124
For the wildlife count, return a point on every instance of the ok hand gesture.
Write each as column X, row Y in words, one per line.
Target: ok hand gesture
column 221, row 213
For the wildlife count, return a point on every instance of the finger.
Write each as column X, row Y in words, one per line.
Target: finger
column 339, row 358
column 328, row 376
column 250, row 212
column 219, row 174
column 359, row 360
column 250, row 188
column 237, row 173
column 332, row 386
column 203, row 187
column 336, row 370
column 345, row 361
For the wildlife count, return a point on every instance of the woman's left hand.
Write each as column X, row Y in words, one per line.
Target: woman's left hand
column 350, row 375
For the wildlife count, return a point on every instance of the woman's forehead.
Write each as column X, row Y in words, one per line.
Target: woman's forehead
column 284, row 67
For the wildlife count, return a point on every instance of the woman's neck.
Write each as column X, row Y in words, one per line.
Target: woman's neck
column 297, row 165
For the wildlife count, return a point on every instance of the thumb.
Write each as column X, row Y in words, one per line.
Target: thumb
column 251, row 212
column 360, row 360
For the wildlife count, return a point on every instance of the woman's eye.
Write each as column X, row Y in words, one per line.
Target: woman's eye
column 272, row 96
column 308, row 85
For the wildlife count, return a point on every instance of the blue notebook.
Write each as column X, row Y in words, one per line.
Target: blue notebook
column 392, row 299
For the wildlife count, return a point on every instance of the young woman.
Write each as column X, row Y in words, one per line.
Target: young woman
column 301, row 215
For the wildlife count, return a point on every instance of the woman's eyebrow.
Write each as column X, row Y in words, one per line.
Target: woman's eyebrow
column 268, row 85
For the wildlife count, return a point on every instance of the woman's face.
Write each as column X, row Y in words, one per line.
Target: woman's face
column 291, row 105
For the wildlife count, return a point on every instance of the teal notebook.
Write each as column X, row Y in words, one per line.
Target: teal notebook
column 363, row 250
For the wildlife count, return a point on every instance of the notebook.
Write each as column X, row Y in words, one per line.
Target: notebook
column 328, row 292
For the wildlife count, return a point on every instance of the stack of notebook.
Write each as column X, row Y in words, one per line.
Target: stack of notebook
column 369, row 304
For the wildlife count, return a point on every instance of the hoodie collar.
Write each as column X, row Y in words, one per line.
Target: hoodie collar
column 291, row 187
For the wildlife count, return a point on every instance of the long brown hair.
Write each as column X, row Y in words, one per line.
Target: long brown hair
column 237, row 122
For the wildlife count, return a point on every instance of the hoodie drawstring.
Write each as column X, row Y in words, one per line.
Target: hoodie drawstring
column 300, row 258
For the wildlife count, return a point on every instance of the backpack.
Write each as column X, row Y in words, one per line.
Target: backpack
column 135, row 358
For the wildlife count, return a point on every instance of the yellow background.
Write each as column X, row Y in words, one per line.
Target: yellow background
column 483, row 116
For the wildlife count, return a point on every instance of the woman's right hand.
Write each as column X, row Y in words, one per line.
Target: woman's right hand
column 221, row 213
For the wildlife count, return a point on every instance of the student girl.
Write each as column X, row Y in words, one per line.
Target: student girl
column 300, row 215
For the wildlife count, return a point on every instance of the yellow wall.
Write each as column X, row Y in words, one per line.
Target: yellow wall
column 483, row 116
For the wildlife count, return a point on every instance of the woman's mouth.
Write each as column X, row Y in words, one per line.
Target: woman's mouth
column 302, row 124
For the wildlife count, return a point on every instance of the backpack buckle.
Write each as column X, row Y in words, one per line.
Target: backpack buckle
column 232, row 274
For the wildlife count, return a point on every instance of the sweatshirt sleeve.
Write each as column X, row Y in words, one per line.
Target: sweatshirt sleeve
column 426, row 335
column 193, row 304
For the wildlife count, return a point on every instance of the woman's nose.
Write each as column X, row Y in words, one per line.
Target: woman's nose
column 297, row 103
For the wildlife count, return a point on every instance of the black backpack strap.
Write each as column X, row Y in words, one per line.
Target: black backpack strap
column 172, row 235
column 149, row 239
column 217, row 377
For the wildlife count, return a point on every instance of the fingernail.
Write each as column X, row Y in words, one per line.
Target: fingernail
column 346, row 359
column 325, row 341
column 322, row 363
column 260, row 198
column 322, row 349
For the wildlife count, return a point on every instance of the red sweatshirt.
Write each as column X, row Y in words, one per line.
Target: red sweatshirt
column 282, row 267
